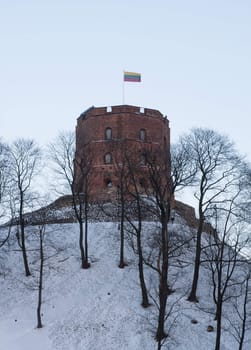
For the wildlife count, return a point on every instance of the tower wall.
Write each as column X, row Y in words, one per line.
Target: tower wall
column 131, row 128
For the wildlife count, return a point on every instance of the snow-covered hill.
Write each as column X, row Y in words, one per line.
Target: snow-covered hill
column 98, row 308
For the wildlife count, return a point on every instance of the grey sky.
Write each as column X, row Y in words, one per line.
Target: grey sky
column 60, row 57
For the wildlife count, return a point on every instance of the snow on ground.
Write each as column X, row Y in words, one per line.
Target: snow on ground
column 93, row 309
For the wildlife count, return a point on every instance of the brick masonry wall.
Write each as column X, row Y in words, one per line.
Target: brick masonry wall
column 188, row 213
column 125, row 122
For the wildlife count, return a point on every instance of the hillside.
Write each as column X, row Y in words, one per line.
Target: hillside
column 99, row 308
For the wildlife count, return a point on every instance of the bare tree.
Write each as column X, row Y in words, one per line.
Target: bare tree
column 46, row 250
column 224, row 256
column 159, row 187
column 62, row 153
column 238, row 328
column 81, row 198
column 135, row 218
column 165, row 174
column 183, row 171
column 241, row 323
column 216, row 162
column 24, row 165
column 122, row 178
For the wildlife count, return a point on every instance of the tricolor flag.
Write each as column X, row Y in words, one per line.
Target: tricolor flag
column 132, row 77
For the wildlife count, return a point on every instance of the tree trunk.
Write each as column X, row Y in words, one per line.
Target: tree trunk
column 145, row 301
column 40, row 287
column 81, row 247
column 122, row 220
column 163, row 285
column 79, row 215
column 163, row 293
column 23, row 247
column 193, row 294
column 244, row 319
column 25, row 259
column 86, row 262
column 218, row 331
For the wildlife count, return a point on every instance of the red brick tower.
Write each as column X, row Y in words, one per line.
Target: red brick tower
column 104, row 130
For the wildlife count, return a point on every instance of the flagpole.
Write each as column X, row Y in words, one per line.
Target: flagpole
column 123, row 90
column 129, row 77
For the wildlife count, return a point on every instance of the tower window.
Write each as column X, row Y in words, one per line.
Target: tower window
column 108, row 182
column 108, row 133
column 108, row 158
column 142, row 134
column 142, row 159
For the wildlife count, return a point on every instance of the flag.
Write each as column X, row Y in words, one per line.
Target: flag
column 133, row 77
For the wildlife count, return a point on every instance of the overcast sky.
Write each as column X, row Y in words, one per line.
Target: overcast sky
column 60, row 57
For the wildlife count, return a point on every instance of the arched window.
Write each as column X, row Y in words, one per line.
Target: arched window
column 108, row 158
column 108, row 133
column 142, row 134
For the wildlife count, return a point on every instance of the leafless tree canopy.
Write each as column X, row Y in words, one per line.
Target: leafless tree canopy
column 62, row 152
column 217, row 173
column 24, row 165
column 70, row 166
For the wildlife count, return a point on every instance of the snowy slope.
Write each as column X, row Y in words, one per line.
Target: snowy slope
column 98, row 308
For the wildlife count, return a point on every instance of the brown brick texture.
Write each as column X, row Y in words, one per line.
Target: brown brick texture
column 128, row 125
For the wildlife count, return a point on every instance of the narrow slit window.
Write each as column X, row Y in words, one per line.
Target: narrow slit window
column 142, row 135
column 108, row 158
column 108, row 133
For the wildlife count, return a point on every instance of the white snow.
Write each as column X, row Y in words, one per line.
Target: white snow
column 98, row 308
